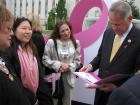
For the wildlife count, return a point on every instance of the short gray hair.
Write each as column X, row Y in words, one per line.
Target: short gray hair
column 121, row 8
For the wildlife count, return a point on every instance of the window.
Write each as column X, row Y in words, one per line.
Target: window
column 46, row 8
column 15, row 4
column 20, row 7
column 33, row 6
column 39, row 7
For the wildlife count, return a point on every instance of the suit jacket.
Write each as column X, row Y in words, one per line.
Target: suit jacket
column 126, row 60
column 128, row 93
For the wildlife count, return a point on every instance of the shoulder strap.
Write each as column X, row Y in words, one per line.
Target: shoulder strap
column 55, row 45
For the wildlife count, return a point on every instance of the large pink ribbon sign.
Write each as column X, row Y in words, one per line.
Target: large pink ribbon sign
column 90, row 35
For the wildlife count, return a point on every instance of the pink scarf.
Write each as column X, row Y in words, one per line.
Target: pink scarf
column 29, row 69
column 52, row 78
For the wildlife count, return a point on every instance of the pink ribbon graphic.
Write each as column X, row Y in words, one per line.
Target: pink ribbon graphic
column 90, row 35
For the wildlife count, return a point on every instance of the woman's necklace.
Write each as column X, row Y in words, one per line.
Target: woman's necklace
column 4, row 69
column 65, row 50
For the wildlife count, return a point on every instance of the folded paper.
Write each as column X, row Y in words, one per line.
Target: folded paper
column 91, row 77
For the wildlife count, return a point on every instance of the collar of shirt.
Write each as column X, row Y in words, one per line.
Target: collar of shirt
column 126, row 33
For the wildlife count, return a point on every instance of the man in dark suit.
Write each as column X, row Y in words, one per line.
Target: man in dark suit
column 112, row 58
column 127, row 94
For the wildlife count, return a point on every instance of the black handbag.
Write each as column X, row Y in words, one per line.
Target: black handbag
column 59, row 86
column 49, row 70
column 59, row 89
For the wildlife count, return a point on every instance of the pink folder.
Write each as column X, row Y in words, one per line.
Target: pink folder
column 91, row 77
column 88, row 77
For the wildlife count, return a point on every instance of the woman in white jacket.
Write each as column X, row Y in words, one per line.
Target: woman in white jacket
column 62, row 53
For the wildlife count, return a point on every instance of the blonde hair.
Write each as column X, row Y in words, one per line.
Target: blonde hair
column 35, row 20
column 6, row 18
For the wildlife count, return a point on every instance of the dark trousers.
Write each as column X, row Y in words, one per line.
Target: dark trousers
column 44, row 95
column 101, row 98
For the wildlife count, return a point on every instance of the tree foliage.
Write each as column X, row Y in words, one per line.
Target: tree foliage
column 57, row 14
column 61, row 10
column 51, row 20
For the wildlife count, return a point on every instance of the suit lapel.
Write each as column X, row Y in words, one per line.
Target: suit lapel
column 125, row 45
column 109, row 47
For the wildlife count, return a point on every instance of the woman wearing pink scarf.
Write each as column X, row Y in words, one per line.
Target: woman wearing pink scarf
column 24, row 57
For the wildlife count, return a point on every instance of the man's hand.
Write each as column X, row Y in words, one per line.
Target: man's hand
column 86, row 68
column 92, row 85
column 107, row 87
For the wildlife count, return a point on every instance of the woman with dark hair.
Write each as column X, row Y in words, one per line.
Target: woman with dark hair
column 11, row 88
column 62, row 53
column 25, row 60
